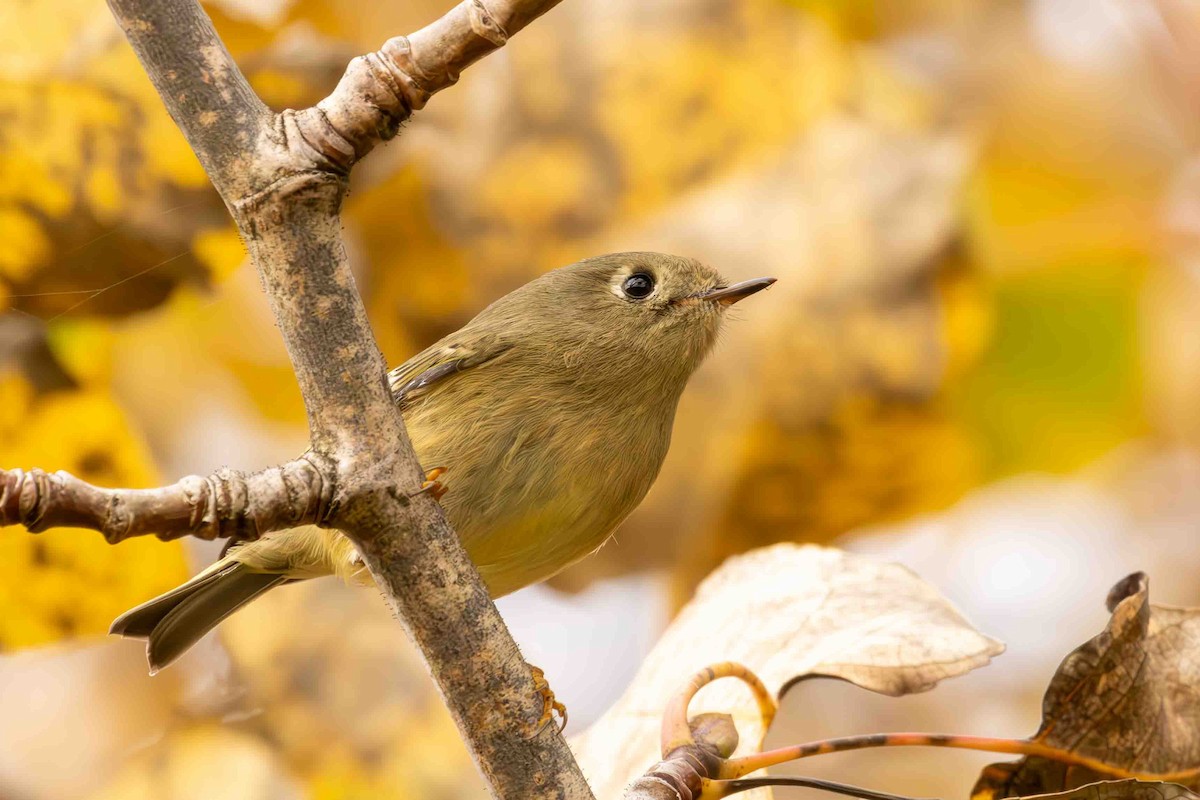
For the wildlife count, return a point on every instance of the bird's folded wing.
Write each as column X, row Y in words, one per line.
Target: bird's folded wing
column 459, row 352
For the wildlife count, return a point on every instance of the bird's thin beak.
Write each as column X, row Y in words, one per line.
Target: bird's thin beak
column 728, row 295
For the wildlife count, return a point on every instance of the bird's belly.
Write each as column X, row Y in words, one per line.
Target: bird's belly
column 527, row 507
column 544, row 530
column 527, row 548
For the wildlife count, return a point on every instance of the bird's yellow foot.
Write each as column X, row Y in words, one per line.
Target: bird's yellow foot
column 432, row 486
column 550, row 706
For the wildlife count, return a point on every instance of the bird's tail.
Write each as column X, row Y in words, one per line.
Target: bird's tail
column 173, row 622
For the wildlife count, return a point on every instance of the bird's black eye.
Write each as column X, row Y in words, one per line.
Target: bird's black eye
column 638, row 286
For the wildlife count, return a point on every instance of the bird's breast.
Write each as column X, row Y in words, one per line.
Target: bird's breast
column 536, row 484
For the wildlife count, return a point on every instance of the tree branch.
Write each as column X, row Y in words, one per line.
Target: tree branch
column 382, row 89
column 284, row 177
column 226, row 504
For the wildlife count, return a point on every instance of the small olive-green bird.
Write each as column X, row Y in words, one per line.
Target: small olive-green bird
column 551, row 412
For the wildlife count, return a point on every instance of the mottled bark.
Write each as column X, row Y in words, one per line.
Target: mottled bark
column 283, row 177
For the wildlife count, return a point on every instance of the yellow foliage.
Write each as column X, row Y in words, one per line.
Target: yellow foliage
column 35, row 37
column 70, row 582
column 91, row 166
column 1069, row 173
column 25, row 244
column 967, row 319
column 84, row 349
column 283, row 89
column 419, row 287
column 892, row 98
column 421, row 759
column 535, row 181
column 1060, row 382
column 870, row 19
column 69, row 131
column 220, row 249
column 871, row 461
column 679, row 114
column 84, row 171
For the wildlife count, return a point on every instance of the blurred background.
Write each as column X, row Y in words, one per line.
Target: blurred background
column 980, row 359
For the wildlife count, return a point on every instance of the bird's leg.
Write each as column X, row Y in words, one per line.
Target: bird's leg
column 550, row 706
column 432, row 486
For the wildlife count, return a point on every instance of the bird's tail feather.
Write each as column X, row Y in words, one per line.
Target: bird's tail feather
column 173, row 622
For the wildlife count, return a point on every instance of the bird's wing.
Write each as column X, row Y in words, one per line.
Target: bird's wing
column 454, row 354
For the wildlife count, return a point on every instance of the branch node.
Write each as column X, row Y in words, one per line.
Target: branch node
column 486, row 26
column 233, row 497
column 680, row 774
column 310, row 138
column 118, row 519
column 23, row 498
column 395, row 66
column 319, row 488
column 196, row 490
column 218, row 507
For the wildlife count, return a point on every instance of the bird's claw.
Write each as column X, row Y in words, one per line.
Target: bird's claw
column 550, row 706
column 431, row 485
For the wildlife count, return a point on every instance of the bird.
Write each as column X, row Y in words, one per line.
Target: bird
column 549, row 414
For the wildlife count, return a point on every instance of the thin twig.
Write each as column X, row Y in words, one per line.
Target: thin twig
column 727, row 788
column 737, row 767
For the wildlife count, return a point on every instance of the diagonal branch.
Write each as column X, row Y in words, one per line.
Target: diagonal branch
column 283, row 177
column 224, row 505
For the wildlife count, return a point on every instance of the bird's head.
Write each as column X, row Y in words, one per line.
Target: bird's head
column 647, row 317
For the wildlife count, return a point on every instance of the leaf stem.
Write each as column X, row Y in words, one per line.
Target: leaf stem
column 718, row 789
column 737, row 767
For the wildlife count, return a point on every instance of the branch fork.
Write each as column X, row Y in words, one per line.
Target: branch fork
column 283, row 177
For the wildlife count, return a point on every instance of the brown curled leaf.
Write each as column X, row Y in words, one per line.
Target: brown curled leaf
column 1129, row 697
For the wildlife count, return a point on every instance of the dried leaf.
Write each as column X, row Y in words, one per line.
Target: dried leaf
column 1125, row 790
column 1129, row 697
column 787, row 612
